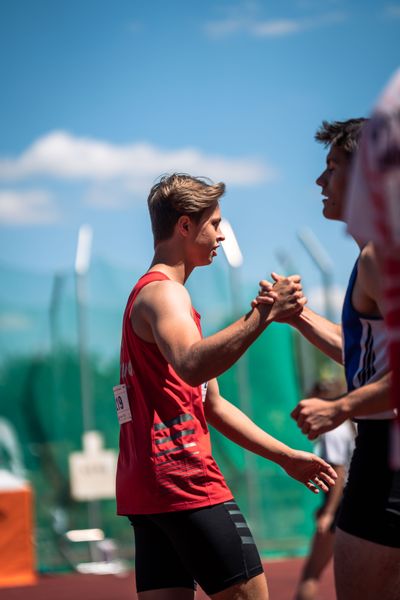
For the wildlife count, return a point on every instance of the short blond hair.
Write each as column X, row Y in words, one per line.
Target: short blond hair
column 176, row 195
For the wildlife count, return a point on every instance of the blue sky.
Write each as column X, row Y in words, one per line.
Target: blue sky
column 98, row 98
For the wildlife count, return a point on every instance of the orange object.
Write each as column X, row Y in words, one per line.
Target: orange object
column 17, row 561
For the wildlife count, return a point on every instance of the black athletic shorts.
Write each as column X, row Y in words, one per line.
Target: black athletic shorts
column 212, row 546
column 371, row 501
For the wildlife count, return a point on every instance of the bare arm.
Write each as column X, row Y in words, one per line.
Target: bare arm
column 165, row 308
column 320, row 332
column 315, row 416
column 323, row 334
column 235, row 425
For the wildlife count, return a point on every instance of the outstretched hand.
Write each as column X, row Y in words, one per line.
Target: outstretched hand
column 313, row 471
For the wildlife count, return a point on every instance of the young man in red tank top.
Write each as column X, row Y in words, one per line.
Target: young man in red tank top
column 187, row 525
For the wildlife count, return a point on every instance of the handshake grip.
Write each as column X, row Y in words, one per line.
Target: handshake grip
column 285, row 296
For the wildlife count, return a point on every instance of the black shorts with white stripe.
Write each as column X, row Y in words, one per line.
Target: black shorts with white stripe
column 212, row 546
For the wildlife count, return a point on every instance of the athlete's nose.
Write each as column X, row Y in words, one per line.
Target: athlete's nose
column 321, row 179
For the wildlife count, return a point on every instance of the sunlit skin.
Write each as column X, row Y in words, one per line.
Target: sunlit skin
column 363, row 569
column 333, row 181
column 163, row 315
column 204, row 238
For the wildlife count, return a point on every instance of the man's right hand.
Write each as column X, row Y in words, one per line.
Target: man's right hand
column 316, row 415
column 288, row 297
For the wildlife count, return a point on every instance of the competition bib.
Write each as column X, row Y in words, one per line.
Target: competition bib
column 122, row 404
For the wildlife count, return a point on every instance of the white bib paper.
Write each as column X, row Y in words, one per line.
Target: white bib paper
column 122, row 404
column 204, row 390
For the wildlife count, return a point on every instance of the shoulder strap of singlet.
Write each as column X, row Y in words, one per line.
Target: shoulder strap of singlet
column 148, row 278
column 352, row 281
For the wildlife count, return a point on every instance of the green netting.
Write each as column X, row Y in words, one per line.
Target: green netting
column 278, row 508
column 40, row 397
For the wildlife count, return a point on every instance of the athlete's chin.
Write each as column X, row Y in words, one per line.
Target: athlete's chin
column 331, row 215
column 205, row 262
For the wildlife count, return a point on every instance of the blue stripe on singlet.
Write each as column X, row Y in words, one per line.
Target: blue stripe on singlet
column 352, row 332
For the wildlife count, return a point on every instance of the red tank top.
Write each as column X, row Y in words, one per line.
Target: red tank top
column 165, row 461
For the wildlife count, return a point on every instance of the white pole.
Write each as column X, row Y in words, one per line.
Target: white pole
column 82, row 263
column 324, row 264
column 234, row 258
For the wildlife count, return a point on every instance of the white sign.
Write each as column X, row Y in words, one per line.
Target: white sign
column 92, row 472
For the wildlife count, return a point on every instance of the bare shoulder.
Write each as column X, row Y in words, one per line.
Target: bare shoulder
column 157, row 301
column 161, row 296
column 368, row 257
column 369, row 273
column 368, row 267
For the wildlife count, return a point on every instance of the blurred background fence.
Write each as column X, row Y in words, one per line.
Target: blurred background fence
column 41, row 407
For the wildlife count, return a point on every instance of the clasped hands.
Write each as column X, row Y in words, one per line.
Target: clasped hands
column 285, row 295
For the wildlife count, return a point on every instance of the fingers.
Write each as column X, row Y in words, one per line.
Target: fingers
column 323, row 481
column 270, row 299
column 327, row 471
column 264, row 283
column 295, row 412
column 320, row 483
column 329, row 478
column 276, row 277
column 265, row 294
column 312, row 487
column 295, row 278
column 301, row 414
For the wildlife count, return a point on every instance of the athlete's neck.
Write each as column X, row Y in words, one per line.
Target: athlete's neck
column 360, row 243
column 171, row 264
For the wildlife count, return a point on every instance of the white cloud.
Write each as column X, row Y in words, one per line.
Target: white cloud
column 64, row 156
column 31, row 207
column 276, row 28
column 270, row 28
column 392, row 10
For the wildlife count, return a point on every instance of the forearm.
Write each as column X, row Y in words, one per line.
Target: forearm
column 235, row 425
column 367, row 400
column 323, row 334
column 211, row 356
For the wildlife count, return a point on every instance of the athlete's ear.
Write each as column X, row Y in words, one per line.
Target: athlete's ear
column 184, row 225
